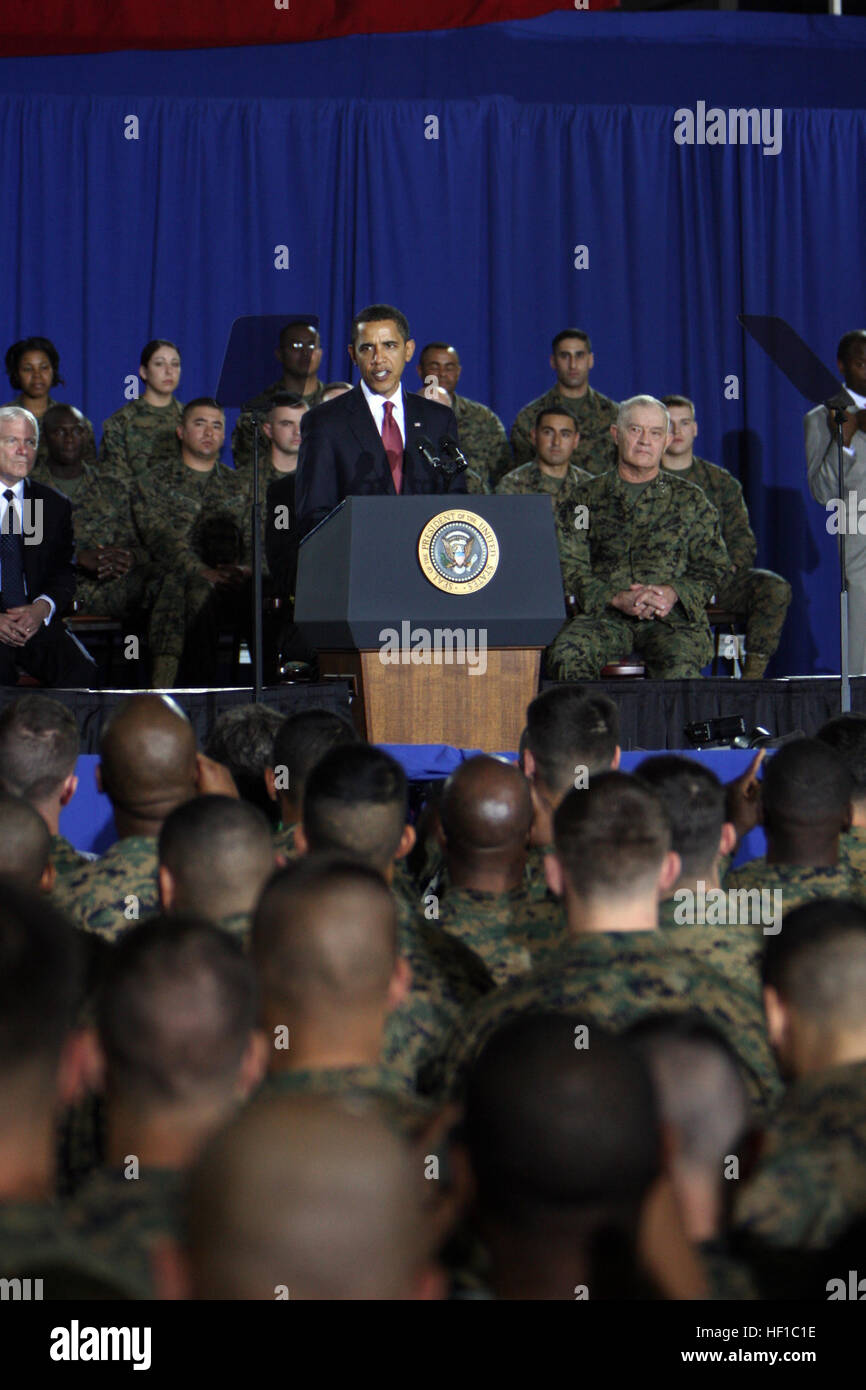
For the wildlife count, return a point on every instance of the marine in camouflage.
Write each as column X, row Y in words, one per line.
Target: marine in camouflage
column 595, row 450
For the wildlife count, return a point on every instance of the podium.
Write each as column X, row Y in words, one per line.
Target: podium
column 437, row 613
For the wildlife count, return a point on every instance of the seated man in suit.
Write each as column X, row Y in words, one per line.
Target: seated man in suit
column 367, row 440
column 37, row 574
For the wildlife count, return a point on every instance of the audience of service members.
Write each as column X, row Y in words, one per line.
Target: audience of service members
column 279, row 1041
column 649, row 534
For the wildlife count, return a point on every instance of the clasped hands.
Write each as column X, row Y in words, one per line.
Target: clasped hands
column 106, row 561
column 18, row 625
column 645, row 600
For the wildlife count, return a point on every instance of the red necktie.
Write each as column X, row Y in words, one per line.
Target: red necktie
column 393, row 443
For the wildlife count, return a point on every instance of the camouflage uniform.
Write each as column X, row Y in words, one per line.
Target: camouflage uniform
column 483, row 440
column 667, row 533
column 402, row 1109
column 616, row 978
column 565, row 496
column 284, row 840
column 138, row 436
column 534, row 878
column 507, row 930
column 810, row 1181
column 764, row 597
column 89, row 451
column 118, row 1218
column 96, row 896
column 243, row 435
column 65, row 858
column 594, row 413
column 167, row 504
column 796, row 882
column 733, row 949
column 35, row 1240
column 852, row 853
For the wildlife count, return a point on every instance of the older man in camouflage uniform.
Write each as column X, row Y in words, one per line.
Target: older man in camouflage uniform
column 482, row 434
column 192, row 517
column 554, row 436
column 648, row 556
column 572, row 359
column 760, row 595
column 300, row 354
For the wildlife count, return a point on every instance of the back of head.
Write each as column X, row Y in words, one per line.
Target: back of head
column 220, row 854
column 485, row 810
column 39, row 743
column 25, row 844
column 325, row 937
column 301, row 741
column 40, row 985
column 847, row 735
column 699, row 1088
column 356, row 801
column 175, row 1011
column 806, row 790
column 611, row 837
column 243, row 740
column 301, row 1196
column 694, row 799
column 147, row 757
column 817, row 966
column 568, row 728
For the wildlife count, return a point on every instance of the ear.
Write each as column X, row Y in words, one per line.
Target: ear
column 48, row 879
column 553, row 873
column 727, row 839
column 254, row 1064
column 81, row 1068
column 352, row 353
column 615, row 432
column 409, row 350
column 97, row 777
column 615, row 760
column 271, row 783
column 268, row 429
column 400, row 983
column 778, row 1018
column 69, row 788
column 167, row 888
column 533, row 435
column 529, row 764
column 302, row 844
column 670, row 871
column 407, row 841
column 179, row 431
column 552, row 360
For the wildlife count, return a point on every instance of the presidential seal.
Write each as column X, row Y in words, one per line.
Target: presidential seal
column 458, row 551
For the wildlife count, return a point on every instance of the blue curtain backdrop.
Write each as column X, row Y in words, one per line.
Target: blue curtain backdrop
column 106, row 241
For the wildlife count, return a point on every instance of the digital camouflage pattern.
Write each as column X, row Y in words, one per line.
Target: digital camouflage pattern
column 114, row 892
column 734, row 950
column 243, row 435
column 65, row 858
column 482, row 439
column 668, row 533
column 507, row 930
column 36, row 1241
column 284, row 840
column 594, row 413
column 89, row 450
column 852, row 854
column 565, row 498
column 797, row 883
column 762, row 596
column 400, row 1107
column 138, row 436
column 617, row 978
column 810, row 1180
column 119, row 1218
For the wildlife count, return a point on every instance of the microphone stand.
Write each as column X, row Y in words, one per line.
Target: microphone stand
column 258, row 640
column 840, row 415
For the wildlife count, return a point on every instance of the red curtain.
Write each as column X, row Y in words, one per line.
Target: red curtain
column 94, row 26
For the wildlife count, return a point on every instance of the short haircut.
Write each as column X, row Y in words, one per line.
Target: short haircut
column 817, row 963
column 569, row 727
column 296, row 323
column 356, row 800
column 848, row 342
column 25, row 843
column 555, row 410
column 287, row 400
column 218, row 850
column 805, row 783
column 41, row 979
column 437, row 347
column 303, row 739
column 153, row 346
column 243, row 739
column 309, row 945
column 637, row 402
column 37, row 344
column 18, row 412
column 694, row 799
column 197, row 404
column 56, row 412
column 682, row 402
column 570, row 333
column 175, row 1010
column 39, row 745
column 381, row 313
column 612, row 836
column 336, row 385
column 847, row 734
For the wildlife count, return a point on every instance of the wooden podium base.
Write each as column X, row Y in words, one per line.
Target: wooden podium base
column 454, row 704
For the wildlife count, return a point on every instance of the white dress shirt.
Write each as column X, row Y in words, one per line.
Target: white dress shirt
column 377, row 409
column 5, row 526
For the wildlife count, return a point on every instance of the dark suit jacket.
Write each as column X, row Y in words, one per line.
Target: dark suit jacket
column 48, row 566
column 342, row 454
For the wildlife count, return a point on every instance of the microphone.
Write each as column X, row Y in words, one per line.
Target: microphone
column 457, row 461
column 425, row 449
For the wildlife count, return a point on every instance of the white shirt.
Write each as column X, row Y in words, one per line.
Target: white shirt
column 5, row 526
column 377, row 409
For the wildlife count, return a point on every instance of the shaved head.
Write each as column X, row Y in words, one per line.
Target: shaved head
column 220, row 854
column 325, row 937
column 486, row 810
column 356, row 801
column 25, row 843
column 304, row 1195
column 148, row 757
column 817, row 964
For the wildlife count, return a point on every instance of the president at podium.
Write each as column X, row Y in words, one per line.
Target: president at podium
column 376, row 439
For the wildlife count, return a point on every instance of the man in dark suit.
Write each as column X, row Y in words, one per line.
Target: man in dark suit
column 37, row 574
column 367, row 440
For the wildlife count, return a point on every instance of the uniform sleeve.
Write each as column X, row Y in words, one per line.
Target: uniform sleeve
column 592, row 593
column 521, row 442
column 736, row 527
column 167, row 544
column 112, row 449
column 708, row 560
